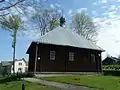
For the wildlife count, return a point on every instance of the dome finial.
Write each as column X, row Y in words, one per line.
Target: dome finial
column 62, row 21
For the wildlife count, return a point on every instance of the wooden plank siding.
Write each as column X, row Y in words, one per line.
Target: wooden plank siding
column 82, row 59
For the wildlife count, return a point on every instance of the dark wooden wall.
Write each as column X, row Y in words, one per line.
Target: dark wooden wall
column 31, row 63
column 81, row 63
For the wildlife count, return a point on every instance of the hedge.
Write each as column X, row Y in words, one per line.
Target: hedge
column 111, row 67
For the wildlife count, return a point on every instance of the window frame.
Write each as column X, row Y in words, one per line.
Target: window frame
column 92, row 58
column 20, row 64
column 52, row 55
column 71, row 56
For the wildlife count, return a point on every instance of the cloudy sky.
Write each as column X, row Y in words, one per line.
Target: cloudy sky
column 105, row 13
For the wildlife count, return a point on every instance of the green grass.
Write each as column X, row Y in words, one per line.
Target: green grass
column 102, row 82
column 16, row 85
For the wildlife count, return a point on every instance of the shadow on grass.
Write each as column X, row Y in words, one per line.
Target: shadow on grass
column 8, row 79
column 16, row 77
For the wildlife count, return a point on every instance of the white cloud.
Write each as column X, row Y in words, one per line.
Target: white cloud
column 7, row 0
column 112, row 11
column 94, row 13
column 94, row 3
column 30, row 9
column 108, row 37
column 100, row 2
column 32, row 34
column 58, row 5
column 118, row 0
column 24, row 18
column 115, row 0
column 109, row 33
column 52, row 6
column 109, row 28
column 112, row 14
column 16, row 10
column 60, row 11
column 70, row 12
column 82, row 9
column 112, row 7
column 106, row 6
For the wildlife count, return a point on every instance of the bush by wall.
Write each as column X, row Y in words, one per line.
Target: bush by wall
column 111, row 67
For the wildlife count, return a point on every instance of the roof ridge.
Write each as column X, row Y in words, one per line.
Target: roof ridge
column 49, row 32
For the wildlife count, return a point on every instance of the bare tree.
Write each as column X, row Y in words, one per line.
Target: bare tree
column 6, row 5
column 41, row 18
column 13, row 24
column 46, row 20
column 84, row 26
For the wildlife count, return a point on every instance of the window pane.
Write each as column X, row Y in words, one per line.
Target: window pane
column 20, row 63
column 52, row 55
column 92, row 58
column 71, row 56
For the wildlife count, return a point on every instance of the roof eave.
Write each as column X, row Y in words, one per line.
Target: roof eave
column 33, row 42
column 27, row 52
column 37, row 42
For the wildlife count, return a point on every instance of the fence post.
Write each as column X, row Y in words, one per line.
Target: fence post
column 23, row 84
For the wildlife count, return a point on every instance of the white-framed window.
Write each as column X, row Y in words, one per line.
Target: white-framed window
column 92, row 58
column 20, row 64
column 71, row 56
column 52, row 55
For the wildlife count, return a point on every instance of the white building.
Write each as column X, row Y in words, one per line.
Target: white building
column 20, row 66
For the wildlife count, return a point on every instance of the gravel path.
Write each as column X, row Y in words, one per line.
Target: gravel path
column 58, row 85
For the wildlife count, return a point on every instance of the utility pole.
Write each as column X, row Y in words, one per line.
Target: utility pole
column 23, row 84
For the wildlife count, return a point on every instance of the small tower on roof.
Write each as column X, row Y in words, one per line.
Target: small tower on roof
column 62, row 21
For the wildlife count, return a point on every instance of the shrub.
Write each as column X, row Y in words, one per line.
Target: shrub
column 25, row 75
column 111, row 67
column 9, row 79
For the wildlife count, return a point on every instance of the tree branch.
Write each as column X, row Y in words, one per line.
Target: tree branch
column 15, row 8
column 2, row 1
column 7, row 7
column 3, row 14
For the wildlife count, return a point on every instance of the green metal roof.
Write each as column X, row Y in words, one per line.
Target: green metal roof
column 62, row 36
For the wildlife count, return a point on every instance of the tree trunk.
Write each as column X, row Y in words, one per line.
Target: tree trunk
column 14, row 50
column 14, row 60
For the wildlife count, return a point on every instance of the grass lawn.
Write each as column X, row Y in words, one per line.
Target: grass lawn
column 102, row 82
column 16, row 85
